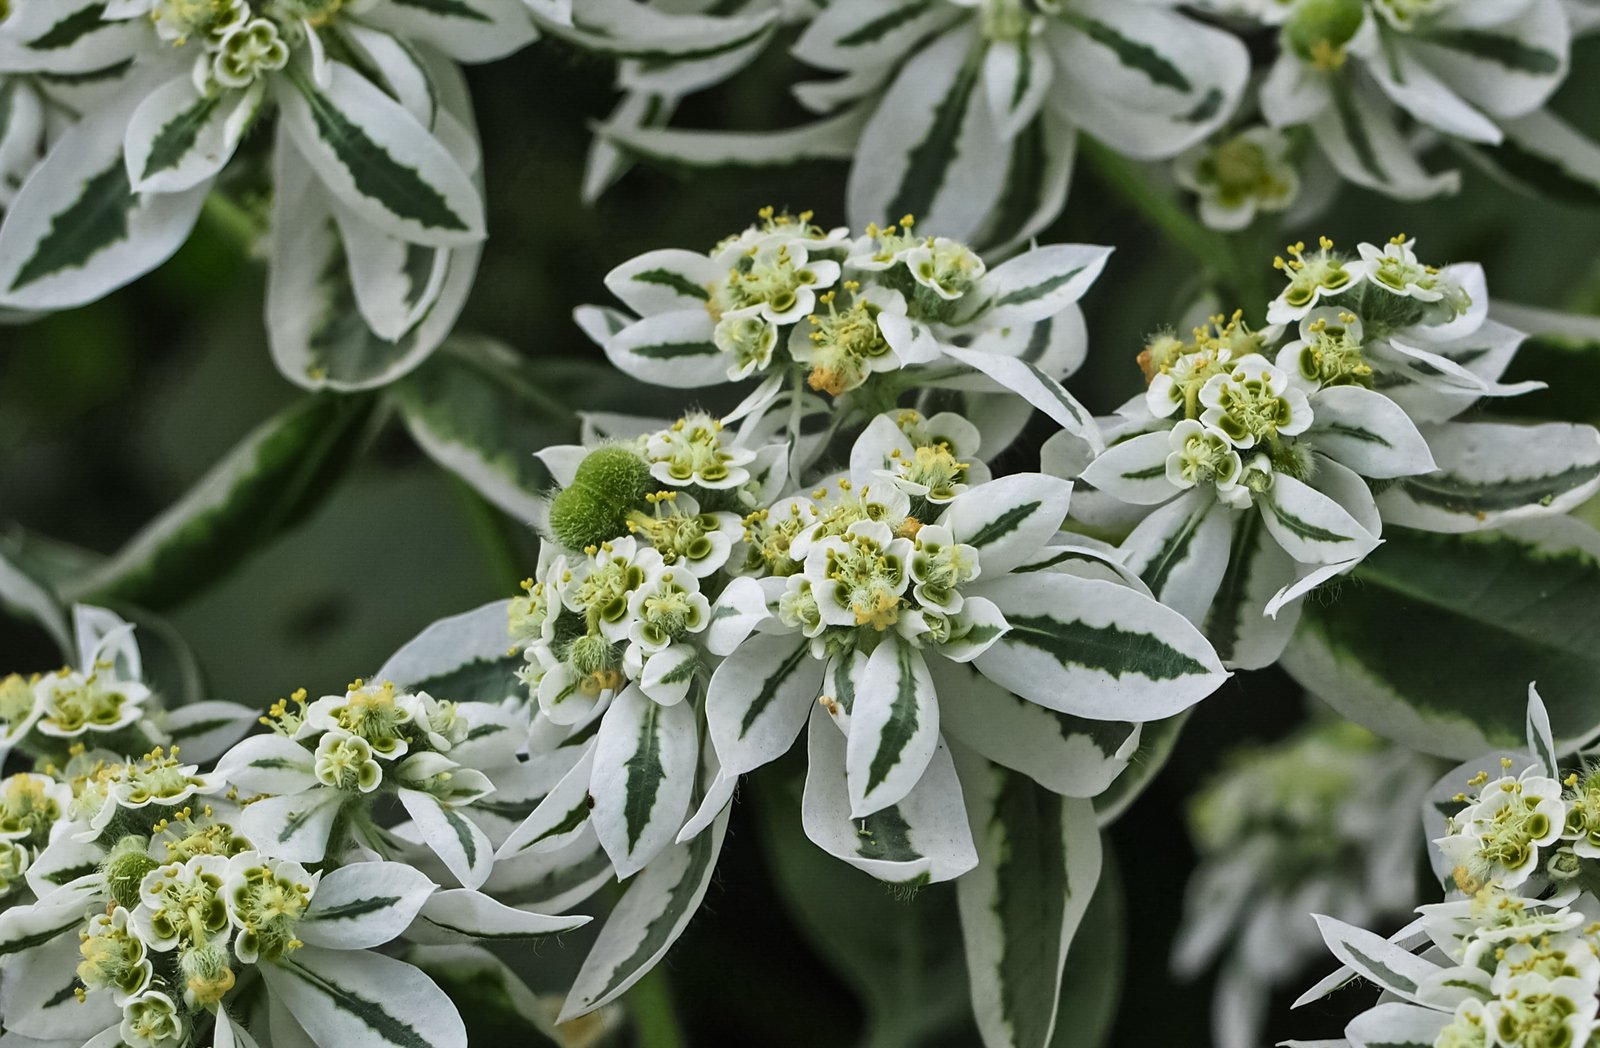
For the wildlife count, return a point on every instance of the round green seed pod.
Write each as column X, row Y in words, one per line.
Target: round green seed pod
column 1319, row 29
column 609, row 485
column 125, row 869
column 615, row 474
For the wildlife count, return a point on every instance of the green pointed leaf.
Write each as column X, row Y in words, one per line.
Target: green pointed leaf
column 262, row 487
column 1039, row 861
column 482, row 412
column 1436, row 637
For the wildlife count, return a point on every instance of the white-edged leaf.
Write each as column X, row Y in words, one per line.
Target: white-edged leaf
column 653, row 912
column 1375, row 958
column 934, row 144
column 77, row 230
column 1369, row 433
column 269, row 763
column 832, row 138
column 1181, row 552
column 21, row 592
column 1024, row 378
column 180, row 137
column 462, row 915
column 923, row 839
column 364, row 904
column 458, row 841
column 1493, row 473
column 644, row 765
column 205, row 730
column 379, row 161
column 1540, row 740
column 293, row 827
column 1038, row 864
column 759, row 698
column 1040, row 283
column 1009, row 519
column 659, row 281
column 1097, row 649
column 559, row 817
column 1069, row 755
column 894, row 727
column 364, row 1000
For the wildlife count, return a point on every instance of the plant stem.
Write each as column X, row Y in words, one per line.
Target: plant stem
column 1162, row 210
column 654, row 1016
column 233, row 222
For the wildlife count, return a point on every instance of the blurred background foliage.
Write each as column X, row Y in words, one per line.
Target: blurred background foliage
column 109, row 413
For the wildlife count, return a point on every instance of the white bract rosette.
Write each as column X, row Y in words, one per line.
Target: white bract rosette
column 376, row 165
column 1322, row 822
column 1513, row 956
column 966, row 112
column 314, row 781
column 1274, row 458
column 1356, row 73
column 886, row 596
column 814, row 312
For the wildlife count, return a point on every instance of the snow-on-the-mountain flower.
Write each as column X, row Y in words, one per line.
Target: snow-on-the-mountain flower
column 1240, row 175
column 1276, row 457
column 966, row 112
column 379, row 215
column 311, row 783
column 861, row 320
column 182, row 935
column 1512, row 956
column 1324, row 821
column 1352, row 70
column 103, row 704
column 626, row 615
column 896, row 617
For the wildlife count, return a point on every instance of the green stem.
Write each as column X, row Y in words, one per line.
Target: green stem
column 1214, row 252
column 488, row 526
column 234, row 222
column 655, row 1017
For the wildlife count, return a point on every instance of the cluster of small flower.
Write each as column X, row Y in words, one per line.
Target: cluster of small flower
column 1512, row 958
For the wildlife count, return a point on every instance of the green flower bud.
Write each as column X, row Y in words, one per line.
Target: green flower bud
column 609, row 485
column 1319, row 30
column 125, row 868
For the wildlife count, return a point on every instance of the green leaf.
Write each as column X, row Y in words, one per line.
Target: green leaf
column 497, row 1007
column 92, row 223
column 1435, row 641
column 261, row 488
column 1092, row 983
column 482, row 412
column 1038, row 863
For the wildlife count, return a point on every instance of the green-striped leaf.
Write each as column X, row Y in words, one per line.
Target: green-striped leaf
column 1039, row 861
column 22, row 594
column 77, row 230
column 922, row 839
column 458, row 841
column 496, row 1005
column 263, row 486
column 462, row 915
column 1237, row 624
column 364, row 904
column 1070, row 755
column 644, row 766
column 653, row 912
column 359, row 997
column 462, row 658
column 1492, row 473
column 894, row 727
column 375, row 157
column 1548, row 157
column 1434, row 643
column 1097, row 649
column 1009, row 519
column 759, row 698
column 832, row 138
column 559, row 817
column 482, row 412
column 1375, row 958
